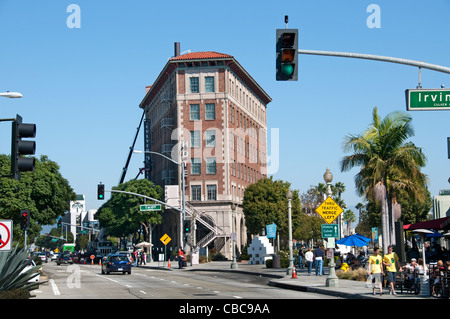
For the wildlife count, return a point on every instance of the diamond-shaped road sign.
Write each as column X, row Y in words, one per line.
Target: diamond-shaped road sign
column 329, row 210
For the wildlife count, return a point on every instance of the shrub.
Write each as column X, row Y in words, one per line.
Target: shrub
column 12, row 280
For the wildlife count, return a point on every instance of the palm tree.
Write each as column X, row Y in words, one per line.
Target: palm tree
column 389, row 164
column 349, row 218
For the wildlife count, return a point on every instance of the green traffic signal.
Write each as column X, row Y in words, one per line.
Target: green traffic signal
column 287, row 70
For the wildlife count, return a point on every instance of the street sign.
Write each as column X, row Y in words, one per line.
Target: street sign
column 5, row 234
column 330, row 231
column 427, row 99
column 165, row 239
column 329, row 210
column 150, row 207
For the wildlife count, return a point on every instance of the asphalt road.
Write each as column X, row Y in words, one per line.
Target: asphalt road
column 87, row 282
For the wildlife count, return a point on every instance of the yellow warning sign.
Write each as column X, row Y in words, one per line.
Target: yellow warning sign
column 165, row 239
column 329, row 210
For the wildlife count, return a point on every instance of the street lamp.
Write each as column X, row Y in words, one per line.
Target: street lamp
column 183, row 202
column 11, row 95
column 291, row 258
column 332, row 279
column 234, row 265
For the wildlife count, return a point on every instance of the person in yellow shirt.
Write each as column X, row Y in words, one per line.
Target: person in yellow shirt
column 390, row 261
column 375, row 269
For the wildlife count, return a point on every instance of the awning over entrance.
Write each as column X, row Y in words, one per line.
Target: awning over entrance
column 436, row 224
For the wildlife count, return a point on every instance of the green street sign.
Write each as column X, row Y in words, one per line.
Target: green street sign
column 150, row 207
column 427, row 99
column 330, row 230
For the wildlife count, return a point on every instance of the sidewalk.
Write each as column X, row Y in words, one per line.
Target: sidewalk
column 348, row 289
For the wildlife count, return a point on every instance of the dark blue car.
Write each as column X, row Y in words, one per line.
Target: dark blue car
column 116, row 263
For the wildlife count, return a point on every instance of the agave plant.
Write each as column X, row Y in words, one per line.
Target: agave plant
column 11, row 266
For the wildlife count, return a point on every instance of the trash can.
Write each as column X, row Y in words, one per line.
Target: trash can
column 276, row 261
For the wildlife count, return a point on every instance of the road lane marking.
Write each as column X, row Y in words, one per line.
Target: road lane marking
column 54, row 287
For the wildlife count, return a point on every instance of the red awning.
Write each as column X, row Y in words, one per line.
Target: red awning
column 436, row 224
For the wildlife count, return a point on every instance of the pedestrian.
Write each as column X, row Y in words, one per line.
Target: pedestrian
column 319, row 256
column 375, row 269
column 142, row 257
column 180, row 258
column 309, row 257
column 184, row 259
column 300, row 258
column 390, row 261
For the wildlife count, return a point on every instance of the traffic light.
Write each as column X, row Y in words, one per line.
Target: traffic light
column 186, row 226
column 58, row 221
column 24, row 219
column 287, row 55
column 100, row 192
column 20, row 147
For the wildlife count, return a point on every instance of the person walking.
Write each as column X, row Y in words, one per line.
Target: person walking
column 390, row 261
column 300, row 258
column 319, row 255
column 309, row 257
column 180, row 259
column 375, row 269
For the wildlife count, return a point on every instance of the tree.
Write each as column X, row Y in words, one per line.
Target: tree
column 45, row 192
column 390, row 165
column 121, row 215
column 265, row 203
column 349, row 217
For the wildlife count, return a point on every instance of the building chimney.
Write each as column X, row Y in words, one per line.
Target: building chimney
column 177, row 48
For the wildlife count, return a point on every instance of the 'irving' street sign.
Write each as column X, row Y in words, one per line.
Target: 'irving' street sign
column 427, row 99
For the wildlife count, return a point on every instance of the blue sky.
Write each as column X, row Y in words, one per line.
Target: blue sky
column 82, row 86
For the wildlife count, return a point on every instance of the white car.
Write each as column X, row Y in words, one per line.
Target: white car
column 53, row 256
column 34, row 279
column 43, row 257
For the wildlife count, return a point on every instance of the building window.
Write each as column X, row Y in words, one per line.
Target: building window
column 212, row 192
column 195, row 138
column 210, row 111
column 209, row 84
column 196, row 192
column 210, row 138
column 194, row 112
column 194, row 84
column 210, row 165
column 196, row 166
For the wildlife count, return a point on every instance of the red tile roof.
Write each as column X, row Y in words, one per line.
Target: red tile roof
column 201, row 55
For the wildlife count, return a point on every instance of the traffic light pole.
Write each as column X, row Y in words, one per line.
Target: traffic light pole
column 418, row 64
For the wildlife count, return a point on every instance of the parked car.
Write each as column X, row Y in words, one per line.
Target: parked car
column 116, row 263
column 43, row 257
column 53, row 256
column 64, row 258
column 36, row 278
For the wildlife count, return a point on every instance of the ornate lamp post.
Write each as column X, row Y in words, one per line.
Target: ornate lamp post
column 332, row 279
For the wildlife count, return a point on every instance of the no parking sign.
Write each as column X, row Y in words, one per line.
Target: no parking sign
column 5, row 235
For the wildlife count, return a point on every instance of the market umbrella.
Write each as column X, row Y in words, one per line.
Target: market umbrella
column 351, row 241
column 423, row 233
column 364, row 238
column 144, row 244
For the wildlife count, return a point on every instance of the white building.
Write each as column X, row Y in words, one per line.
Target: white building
column 78, row 216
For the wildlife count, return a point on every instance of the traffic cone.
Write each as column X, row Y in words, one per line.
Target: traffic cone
column 294, row 273
column 99, row 261
column 169, row 264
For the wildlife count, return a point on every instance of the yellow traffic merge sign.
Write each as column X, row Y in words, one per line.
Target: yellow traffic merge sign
column 329, row 210
column 165, row 239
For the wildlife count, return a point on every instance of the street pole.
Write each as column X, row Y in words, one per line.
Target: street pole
column 234, row 265
column 291, row 257
column 183, row 203
column 332, row 279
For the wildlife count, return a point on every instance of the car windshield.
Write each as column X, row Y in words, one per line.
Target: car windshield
column 119, row 258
